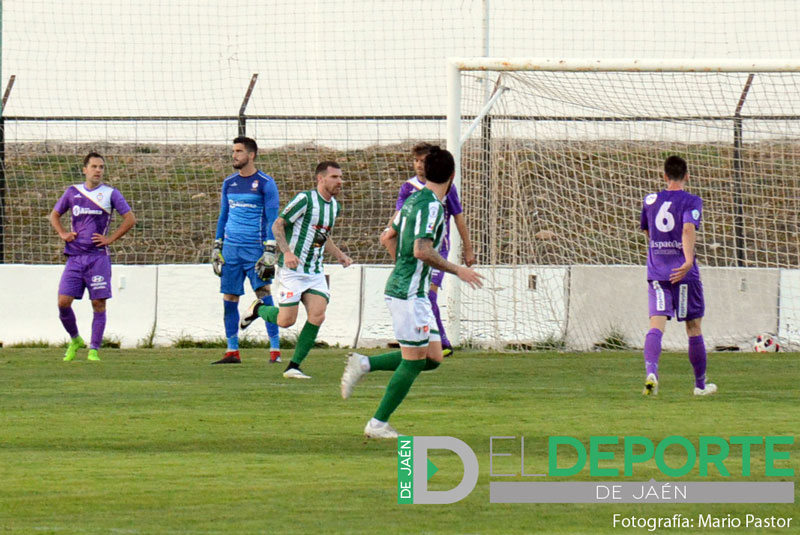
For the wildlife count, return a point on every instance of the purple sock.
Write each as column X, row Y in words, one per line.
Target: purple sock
column 697, row 356
column 652, row 351
column 67, row 317
column 98, row 327
column 433, row 298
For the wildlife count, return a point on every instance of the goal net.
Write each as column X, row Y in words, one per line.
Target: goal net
column 554, row 174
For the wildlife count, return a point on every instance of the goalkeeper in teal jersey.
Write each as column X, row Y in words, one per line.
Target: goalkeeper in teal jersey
column 244, row 244
column 413, row 241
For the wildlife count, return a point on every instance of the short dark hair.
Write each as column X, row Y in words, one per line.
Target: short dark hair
column 675, row 168
column 249, row 143
column 421, row 149
column 439, row 165
column 323, row 166
column 91, row 155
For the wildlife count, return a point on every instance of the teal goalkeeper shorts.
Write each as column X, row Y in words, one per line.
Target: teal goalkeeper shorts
column 240, row 261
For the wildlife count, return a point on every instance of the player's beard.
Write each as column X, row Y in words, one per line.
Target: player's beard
column 239, row 165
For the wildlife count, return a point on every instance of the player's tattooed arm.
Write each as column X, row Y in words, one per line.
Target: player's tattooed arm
column 290, row 260
column 423, row 250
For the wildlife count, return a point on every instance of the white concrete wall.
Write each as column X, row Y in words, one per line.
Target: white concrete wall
column 29, row 312
column 581, row 304
column 525, row 304
column 177, row 301
column 603, row 299
column 190, row 305
column 740, row 303
column 789, row 306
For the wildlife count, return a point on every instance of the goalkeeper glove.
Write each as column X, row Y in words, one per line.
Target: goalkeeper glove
column 216, row 257
column 265, row 266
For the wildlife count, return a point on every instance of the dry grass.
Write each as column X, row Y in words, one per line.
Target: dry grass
column 581, row 199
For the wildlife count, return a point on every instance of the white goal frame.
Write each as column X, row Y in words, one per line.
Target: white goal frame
column 455, row 139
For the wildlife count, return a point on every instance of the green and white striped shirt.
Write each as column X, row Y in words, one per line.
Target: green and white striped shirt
column 422, row 216
column 310, row 219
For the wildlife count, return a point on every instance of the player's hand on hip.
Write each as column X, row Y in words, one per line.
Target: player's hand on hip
column 290, row 260
column 100, row 240
column 217, row 260
column 679, row 273
column 470, row 276
column 69, row 236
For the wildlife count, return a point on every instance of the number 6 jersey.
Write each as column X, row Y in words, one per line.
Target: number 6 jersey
column 663, row 216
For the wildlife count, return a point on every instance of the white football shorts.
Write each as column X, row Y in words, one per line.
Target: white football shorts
column 413, row 321
column 294, row 285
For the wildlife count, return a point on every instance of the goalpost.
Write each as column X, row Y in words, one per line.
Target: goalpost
column 554, row 158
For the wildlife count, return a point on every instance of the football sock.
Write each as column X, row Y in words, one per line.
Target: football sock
column 98, row 328
column 275, row 342
column 231, row 319
column 697, row 356
column 652, row 351
column 269, row 313
column 399, row 385
column 308, row 335
column 433, row 297
column 385, row 362
column 390, row 362
column 272, row 328
column 430, row 364
column 67, row 317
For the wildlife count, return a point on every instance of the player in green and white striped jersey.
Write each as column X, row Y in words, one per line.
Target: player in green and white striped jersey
column 310, row 217
column 302, row 233
column 411, row 276
column 413, row 242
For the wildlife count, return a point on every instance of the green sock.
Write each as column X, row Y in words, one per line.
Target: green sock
column 269, row 313
column 430, row 364
column 304, row 342
column 390, row 362
column 399, row 385
column 386, row 362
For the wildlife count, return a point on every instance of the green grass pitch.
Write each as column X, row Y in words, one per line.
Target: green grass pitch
column 158, row 441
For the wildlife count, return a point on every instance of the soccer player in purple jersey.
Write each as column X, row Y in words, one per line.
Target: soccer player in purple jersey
column 88, row 264
column 670, row 219
column 452, row 207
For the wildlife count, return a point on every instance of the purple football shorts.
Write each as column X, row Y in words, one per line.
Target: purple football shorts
column 684, row 300
column 86, row 271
